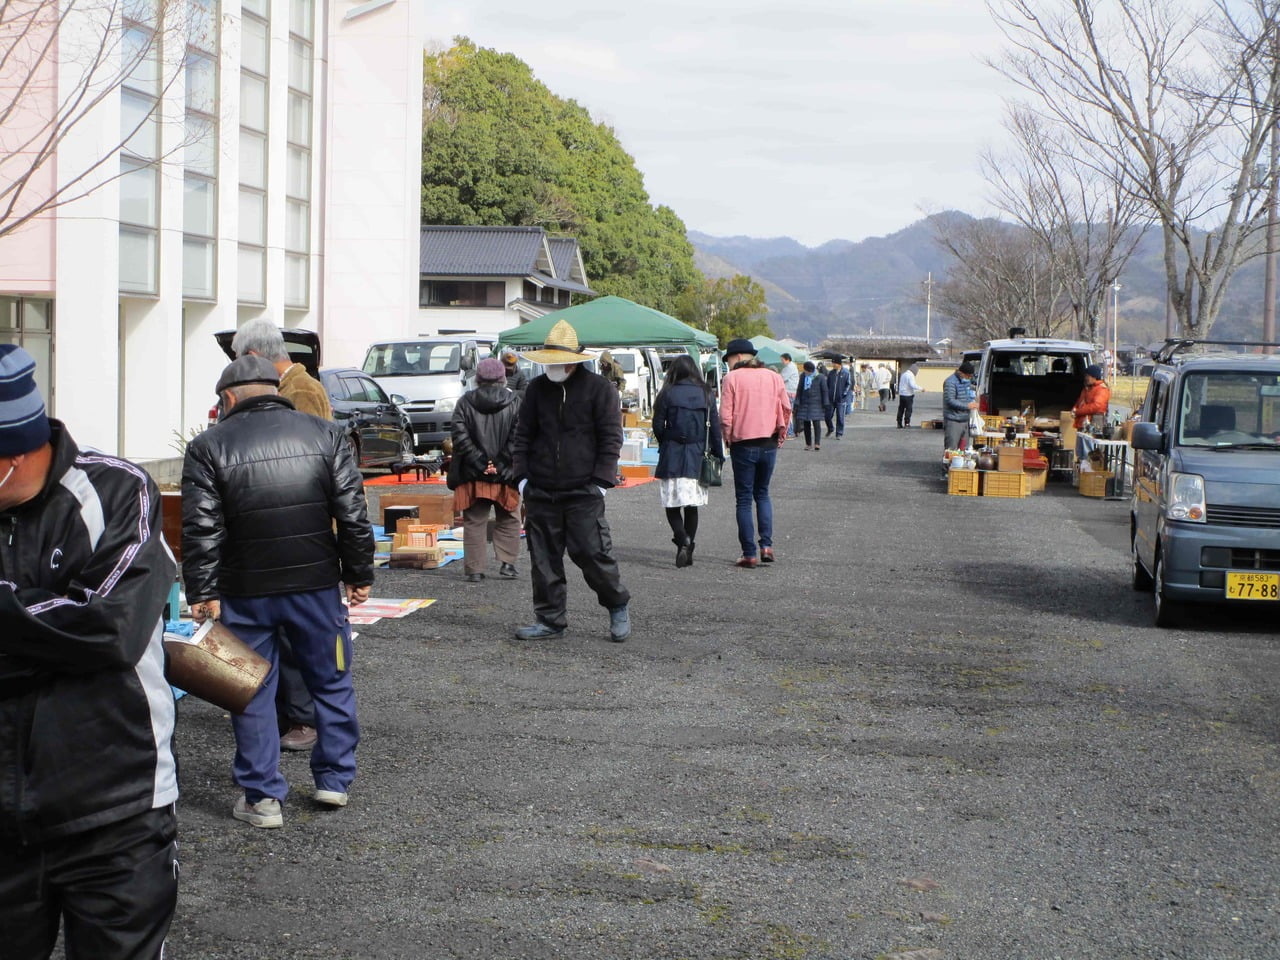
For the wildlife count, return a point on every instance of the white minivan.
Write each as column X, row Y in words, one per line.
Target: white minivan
column 431, row 373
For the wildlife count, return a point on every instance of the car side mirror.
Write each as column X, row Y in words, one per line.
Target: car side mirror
column 1146, row 436
column 468, row 362
column 399, row 398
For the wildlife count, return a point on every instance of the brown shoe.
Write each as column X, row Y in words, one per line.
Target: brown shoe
column 747, row 562
column 298, row 737
column 766, row 554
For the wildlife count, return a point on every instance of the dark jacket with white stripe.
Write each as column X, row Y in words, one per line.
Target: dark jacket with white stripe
column 86, row 715
column 262, row 494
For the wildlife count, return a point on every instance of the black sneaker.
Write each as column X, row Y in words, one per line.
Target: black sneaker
column 507, row 571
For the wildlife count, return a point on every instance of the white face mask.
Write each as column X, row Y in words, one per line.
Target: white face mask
column 559, row 372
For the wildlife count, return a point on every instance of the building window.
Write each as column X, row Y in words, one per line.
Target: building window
column 139, row 157
column 297, row 224
column 200, row 181
column 255, row 71
column 461, row 293
column 29, row 324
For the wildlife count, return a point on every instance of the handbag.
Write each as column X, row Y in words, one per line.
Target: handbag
column 711, row 470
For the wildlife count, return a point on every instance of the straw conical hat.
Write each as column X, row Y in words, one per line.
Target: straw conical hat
column 561, row 346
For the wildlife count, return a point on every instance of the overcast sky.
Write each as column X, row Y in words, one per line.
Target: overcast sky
column 815, row 119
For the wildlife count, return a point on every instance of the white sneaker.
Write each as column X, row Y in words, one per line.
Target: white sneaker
column 331, row 798
column 265, row 813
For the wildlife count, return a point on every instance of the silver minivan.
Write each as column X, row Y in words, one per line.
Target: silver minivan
column 1205, row 513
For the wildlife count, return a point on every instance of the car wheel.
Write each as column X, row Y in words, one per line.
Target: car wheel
column 354, row 445
column 1142, row 581
column 406, row 446
column 1169, row 613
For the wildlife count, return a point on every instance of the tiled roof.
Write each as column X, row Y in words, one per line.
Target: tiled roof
column 459, row 251
column 564, row 254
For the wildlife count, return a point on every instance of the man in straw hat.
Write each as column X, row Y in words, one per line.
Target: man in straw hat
column 87, row 826
column 273, row 517
column 566, row 451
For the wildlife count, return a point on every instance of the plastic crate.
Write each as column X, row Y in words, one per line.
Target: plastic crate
column 962, row 483
column 1093, row 483
column 996, row 484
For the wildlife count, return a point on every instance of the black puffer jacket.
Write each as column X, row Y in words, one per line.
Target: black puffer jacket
column 86, row 715
column 484, row 425
column 569, row 434
column 260, row 494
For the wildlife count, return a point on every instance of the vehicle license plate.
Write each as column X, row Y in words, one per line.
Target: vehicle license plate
column 1253, row 586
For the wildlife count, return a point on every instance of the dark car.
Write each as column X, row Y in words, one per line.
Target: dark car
column 377, row 429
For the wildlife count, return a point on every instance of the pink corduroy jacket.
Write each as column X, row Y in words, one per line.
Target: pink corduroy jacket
column 753, row 405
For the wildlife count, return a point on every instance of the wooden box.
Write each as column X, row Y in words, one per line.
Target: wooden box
column 1093, row 483
column 1036, row 480
column 432, row 507
column 962, row 483
column 997, row 484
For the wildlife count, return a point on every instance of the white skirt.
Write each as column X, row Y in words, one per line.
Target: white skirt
column 682, row 492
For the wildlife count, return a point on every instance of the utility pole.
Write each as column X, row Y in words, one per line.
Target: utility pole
column 928, row 307
column 1269, row 284
column 1115, row 326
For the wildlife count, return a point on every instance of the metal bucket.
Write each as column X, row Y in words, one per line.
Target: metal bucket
column 215, row 665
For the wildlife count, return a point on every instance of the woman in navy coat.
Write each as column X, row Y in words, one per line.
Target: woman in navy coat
column 811, row 405
column 681, row 414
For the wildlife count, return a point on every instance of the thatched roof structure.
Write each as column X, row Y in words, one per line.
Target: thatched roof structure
column 880, row 348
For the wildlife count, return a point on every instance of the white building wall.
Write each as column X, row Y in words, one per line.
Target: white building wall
column 86, row 263
column 372, row 177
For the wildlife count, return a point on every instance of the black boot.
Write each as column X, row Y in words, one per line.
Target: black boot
column 682, row 552
column 691, row 545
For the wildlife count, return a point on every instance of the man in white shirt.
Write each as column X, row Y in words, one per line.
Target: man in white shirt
column 790, row 380
column 883, row 379
column 907, row 390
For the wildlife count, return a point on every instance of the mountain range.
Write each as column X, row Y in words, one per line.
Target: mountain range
column 878, row 285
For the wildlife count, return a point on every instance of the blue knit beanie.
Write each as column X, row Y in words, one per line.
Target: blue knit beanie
column 23, row 424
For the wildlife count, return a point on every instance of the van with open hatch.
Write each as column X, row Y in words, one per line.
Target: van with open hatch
column 431, row 374
column 1044, row 373
column 1205, row 514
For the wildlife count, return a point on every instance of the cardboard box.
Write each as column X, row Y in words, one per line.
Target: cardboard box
column 1010, row 459
column 630, row 418
column 432, row 507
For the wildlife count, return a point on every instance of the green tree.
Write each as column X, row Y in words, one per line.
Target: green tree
column 499, row 148
column 727, row 306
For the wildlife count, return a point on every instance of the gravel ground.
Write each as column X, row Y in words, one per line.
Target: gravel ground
column 939, row 727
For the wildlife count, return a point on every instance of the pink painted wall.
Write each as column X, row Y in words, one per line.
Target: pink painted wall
column 27, row 254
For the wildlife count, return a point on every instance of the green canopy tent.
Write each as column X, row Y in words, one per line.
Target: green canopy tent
column 770, row 351
column 613, row 322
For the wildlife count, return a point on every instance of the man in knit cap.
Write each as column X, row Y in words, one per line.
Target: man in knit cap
column 87, row 826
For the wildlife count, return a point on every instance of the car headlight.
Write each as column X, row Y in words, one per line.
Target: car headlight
column 1186, row 497
column 446, row 405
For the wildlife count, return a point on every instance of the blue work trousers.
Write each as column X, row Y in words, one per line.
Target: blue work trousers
column 315, row 623
column 752, row 471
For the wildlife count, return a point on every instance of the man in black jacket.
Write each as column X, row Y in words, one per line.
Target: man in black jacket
column 568, row 438
column 87, row 778
column 261, row 492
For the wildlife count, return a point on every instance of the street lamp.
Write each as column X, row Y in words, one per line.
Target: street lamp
column 1115, row 327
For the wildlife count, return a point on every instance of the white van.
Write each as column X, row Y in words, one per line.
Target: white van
column 431, row 373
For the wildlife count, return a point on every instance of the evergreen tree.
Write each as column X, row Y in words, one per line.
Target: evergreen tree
column 499, row 148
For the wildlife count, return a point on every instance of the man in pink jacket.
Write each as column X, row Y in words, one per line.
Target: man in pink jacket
column 754, row 413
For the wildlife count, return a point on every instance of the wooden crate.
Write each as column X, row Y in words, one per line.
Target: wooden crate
column 993, row 421
column 962, row 483
column 996, row 484
column 1036, row 480
column 1093, row 483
